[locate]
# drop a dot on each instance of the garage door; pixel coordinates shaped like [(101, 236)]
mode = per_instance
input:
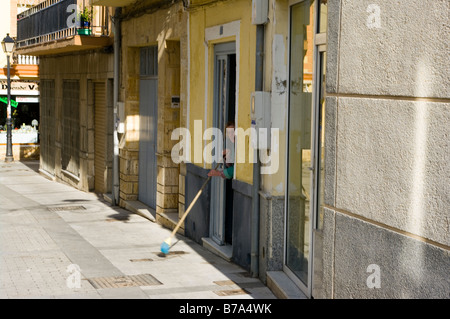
[(100, 152)]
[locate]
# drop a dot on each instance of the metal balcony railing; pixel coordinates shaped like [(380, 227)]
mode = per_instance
[(54, 20)]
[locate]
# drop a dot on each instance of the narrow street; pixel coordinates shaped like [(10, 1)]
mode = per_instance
[(58, 242)]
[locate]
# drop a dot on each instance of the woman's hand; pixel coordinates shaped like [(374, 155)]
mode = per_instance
[(214, 172)]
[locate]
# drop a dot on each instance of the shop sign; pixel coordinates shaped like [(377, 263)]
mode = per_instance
[(27, 99), (20, 86)]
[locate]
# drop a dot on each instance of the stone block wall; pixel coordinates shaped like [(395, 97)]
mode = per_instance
[(387, 150), (165, 28), (85, 67)]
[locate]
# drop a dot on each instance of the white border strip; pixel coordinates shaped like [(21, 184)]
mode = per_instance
[(216, 33)]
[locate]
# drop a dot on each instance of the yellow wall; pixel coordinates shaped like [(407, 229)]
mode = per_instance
[(275, 81), (86, 67), (200, 19), (159, 28), (165, 28)]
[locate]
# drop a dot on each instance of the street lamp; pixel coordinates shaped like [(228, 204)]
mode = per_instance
[(8, 47)]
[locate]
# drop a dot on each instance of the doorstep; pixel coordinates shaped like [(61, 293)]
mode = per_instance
[(168, 219), (282, 286), (224, 251), (108, 198), (140, 208)]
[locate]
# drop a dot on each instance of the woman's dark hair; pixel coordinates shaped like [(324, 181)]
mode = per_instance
[(230, 123)]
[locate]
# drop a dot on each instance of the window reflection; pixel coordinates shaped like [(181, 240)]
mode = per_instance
[(299, 173), (321, 155)]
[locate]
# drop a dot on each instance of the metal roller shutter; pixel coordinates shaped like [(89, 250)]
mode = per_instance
[(70, 151), (100, 144), (47, 126)]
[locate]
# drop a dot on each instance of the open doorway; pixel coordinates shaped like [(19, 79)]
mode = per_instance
[(221, 222)]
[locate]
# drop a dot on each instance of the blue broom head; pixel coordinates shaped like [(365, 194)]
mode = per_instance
[(165, 248)]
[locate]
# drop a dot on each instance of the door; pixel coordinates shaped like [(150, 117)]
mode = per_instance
[(148, 113), (223, 112), (305, 140)]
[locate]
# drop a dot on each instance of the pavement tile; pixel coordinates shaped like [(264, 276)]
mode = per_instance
[(45, 235)]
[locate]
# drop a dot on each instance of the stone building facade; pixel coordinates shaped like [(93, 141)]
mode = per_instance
[(358, 204)]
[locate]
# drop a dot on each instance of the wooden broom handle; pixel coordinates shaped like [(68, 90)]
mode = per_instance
[(191, 205)]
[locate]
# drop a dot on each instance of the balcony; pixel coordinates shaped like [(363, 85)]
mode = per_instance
[(22, 67), (52, 27), (25, 67), (25, 59)]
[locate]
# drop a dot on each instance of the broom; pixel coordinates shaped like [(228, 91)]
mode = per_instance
[(165, 246)]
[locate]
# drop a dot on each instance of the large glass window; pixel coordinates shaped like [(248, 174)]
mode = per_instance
[(299, 143), (306, 137), (322, 25), (321, 136)]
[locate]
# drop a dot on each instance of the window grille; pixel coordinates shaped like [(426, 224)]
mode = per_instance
[(149, 61)]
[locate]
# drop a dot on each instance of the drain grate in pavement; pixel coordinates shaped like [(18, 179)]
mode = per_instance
[(177, 252), (66, 208), (224, 282), (171, 253), (231, 292), (140, 260), (124, 281)]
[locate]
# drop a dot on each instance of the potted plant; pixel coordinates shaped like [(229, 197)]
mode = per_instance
[(85, 18)]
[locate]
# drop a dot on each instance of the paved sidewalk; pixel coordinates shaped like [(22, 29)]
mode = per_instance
[(58, 242)]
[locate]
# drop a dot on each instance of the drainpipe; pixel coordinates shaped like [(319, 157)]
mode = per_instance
[(117, 31), (254, 264)]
